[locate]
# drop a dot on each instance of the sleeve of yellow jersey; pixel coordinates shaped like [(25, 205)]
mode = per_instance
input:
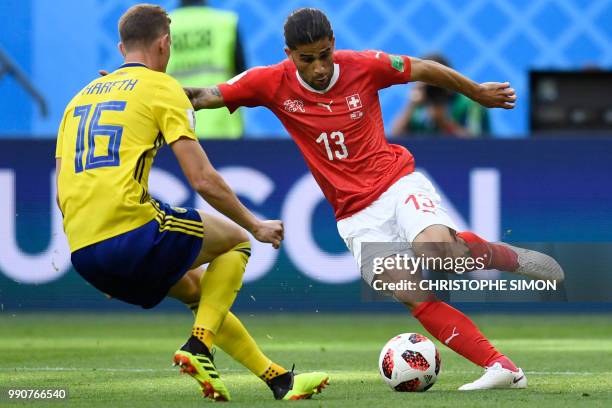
[(173, 111)]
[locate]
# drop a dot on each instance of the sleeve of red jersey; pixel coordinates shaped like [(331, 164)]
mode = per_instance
[(250, 88), (387, 69)]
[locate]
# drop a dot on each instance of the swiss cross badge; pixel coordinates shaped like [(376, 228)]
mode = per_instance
[(353, 102)]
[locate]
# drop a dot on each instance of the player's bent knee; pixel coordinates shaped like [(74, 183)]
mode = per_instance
[(221, 235), (436, 233), (435, 241), (234, 235), (240, 236)]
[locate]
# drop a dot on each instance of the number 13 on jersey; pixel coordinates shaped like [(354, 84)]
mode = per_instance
[(338, 149)]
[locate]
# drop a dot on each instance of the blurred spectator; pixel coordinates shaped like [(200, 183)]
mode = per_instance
[(206, 50), (436, 111)]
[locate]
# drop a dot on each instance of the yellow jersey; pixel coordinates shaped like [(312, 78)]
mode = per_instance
[(108, 138)]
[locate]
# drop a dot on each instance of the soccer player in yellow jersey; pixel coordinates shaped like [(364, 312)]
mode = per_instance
[(139, 250)]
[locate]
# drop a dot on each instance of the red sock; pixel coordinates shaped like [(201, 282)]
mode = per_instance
[(459, 333), (500, 257)]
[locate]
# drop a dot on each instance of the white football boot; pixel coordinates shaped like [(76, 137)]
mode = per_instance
[(536, 265), (497, 377)]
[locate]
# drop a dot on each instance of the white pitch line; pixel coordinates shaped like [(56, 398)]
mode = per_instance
[(153, 370), (128, 370)]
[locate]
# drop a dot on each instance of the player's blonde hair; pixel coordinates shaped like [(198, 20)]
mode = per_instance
[(142, 24)]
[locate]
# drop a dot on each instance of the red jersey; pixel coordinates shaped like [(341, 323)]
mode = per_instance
[(339, 130)]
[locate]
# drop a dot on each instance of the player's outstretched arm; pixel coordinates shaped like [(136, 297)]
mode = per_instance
[(201, 98), (210, 185), (205, 98), (488, 94)]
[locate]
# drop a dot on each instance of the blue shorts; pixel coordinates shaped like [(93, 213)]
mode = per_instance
[(140, 266)]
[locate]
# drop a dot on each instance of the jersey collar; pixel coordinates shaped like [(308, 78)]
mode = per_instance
[(132, 64), (332, 82)]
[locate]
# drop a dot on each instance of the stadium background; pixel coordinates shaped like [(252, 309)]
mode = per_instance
[(60, 44), (554, 192)]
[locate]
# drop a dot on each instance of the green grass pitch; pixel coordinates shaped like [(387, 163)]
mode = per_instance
[(123, 360)]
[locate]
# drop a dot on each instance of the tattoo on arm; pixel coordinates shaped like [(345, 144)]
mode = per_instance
[(212, 90), (207, 98)]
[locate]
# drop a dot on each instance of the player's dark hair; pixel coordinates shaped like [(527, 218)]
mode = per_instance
[(306, 26), (142, 24)]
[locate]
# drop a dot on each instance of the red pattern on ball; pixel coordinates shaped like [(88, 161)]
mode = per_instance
[(408, 386), (387, 364), (415, 360), (417, 338)]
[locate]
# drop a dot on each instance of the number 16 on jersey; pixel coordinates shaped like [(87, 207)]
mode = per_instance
[(338, 150), (96, 129)]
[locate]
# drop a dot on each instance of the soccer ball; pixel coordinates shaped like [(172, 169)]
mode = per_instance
[(409, 362)]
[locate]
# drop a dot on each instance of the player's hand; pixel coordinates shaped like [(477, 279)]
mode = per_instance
[(192, 95), (271, 231), (496, 95)]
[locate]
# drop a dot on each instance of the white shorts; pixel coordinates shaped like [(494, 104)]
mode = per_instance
[(401, 213)]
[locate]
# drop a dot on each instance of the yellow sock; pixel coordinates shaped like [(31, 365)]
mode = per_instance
[(219, 286), (234, 339), (205, 336), (273, 371)]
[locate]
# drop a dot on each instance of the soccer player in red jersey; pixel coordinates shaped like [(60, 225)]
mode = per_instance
[(328, 102)]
